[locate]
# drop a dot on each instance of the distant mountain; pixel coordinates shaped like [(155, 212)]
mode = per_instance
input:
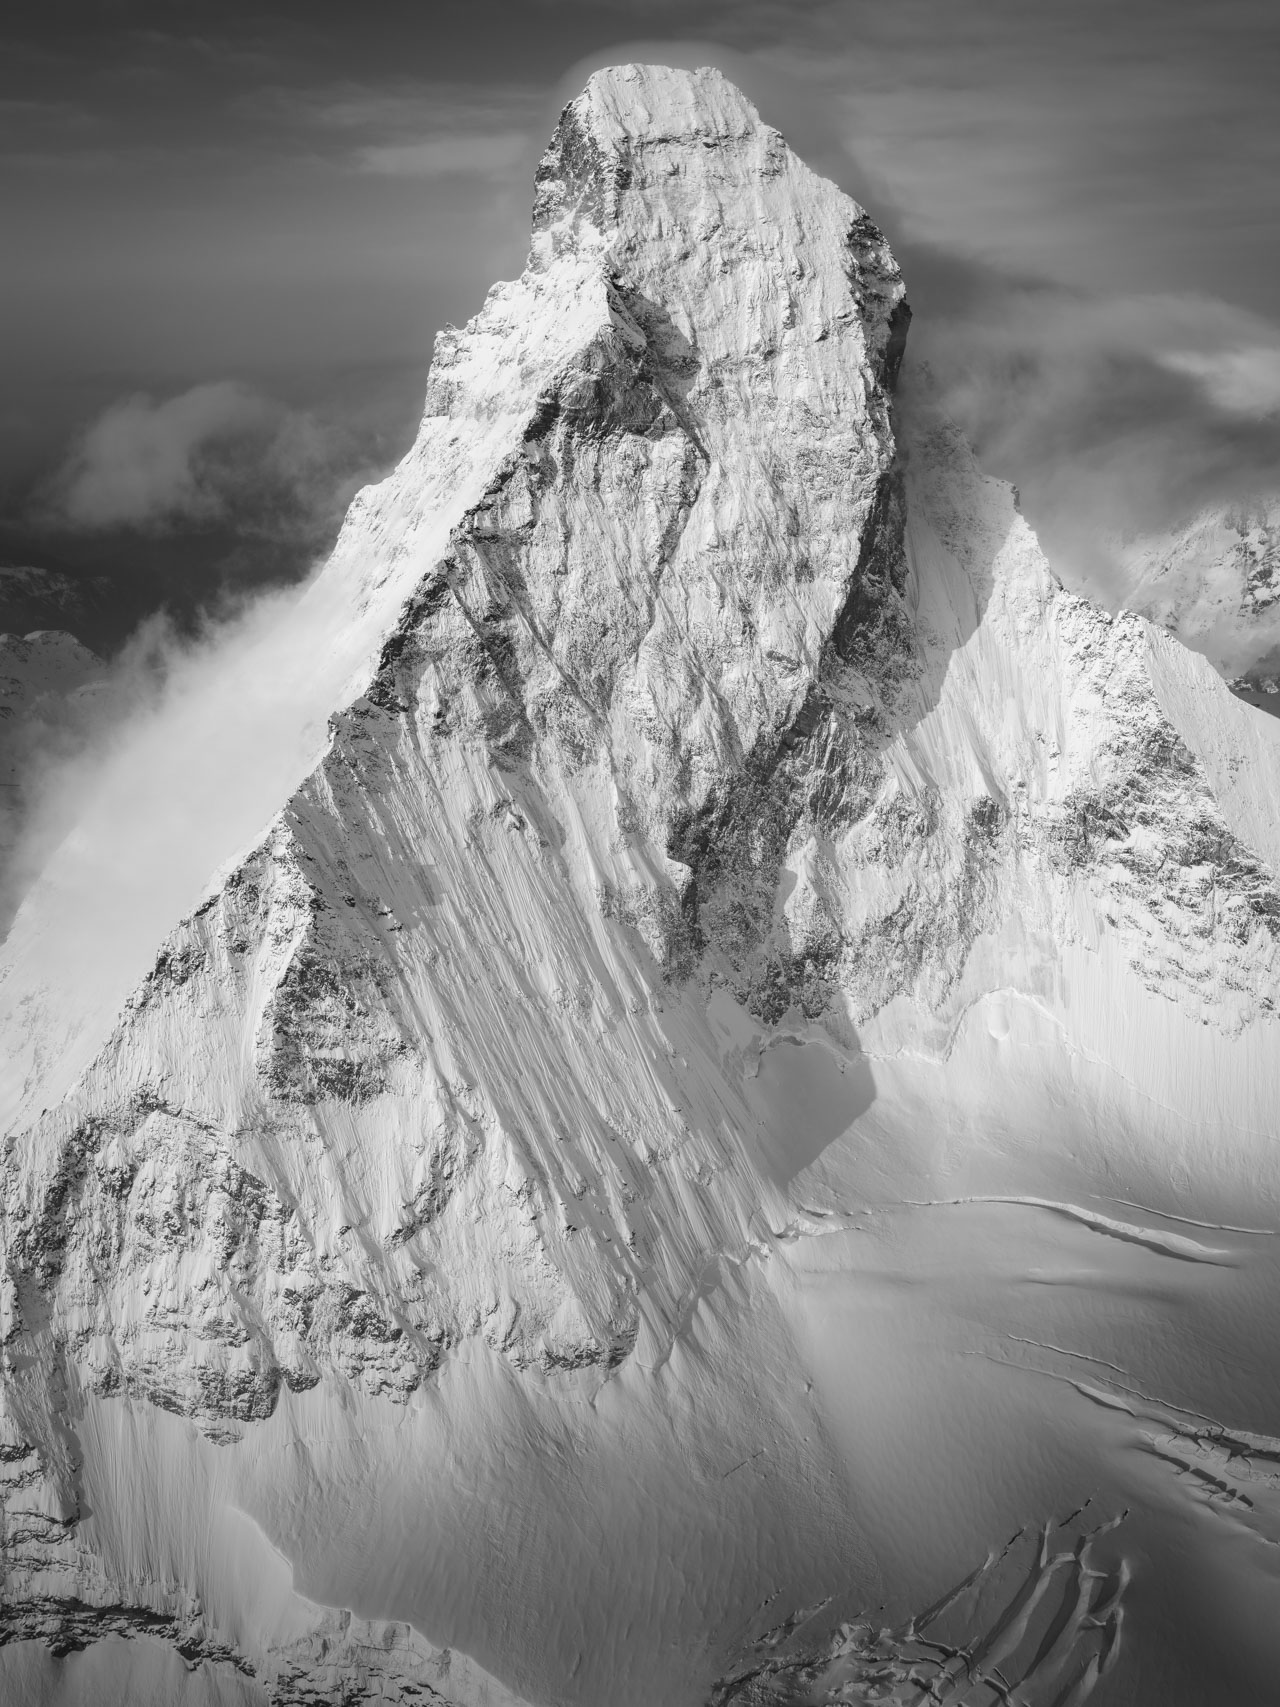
[(714, 1138), (50, 599), (39, 672), (1215, 583)]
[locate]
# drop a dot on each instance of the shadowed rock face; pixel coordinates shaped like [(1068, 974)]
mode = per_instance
[(662, 675)]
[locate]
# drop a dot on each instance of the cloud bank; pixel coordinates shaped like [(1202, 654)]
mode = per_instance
[(219, 453), (1116, 416), (143, 462)]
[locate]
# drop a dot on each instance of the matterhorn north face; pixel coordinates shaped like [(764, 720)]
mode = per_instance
[(708, 1133)]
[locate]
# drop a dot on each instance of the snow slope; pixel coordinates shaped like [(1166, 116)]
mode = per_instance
[(721, 950)]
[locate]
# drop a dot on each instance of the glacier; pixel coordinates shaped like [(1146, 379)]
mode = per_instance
[(662, 1088)]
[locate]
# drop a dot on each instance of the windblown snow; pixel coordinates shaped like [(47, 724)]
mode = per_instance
[(676, 1101)]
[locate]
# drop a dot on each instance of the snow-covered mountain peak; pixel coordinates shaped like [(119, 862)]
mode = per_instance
[(679, 818), (671, 179), (629, 120), (713, 332)]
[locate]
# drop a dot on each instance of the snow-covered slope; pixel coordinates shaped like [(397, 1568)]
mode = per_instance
[(724, 826)]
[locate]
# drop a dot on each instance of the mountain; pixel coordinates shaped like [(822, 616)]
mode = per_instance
[(38, 671), (1215, 583), (50, 599), (661, 1089)]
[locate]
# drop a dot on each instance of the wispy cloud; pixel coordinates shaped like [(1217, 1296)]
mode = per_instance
[(444, 156), (1084, 201), (22, 111), (145, 462), (401, 107), (408, 129), (215, 451), (1241, 381), (1116, 416)]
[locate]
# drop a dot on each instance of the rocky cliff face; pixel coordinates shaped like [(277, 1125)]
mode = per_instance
[(678, 698)]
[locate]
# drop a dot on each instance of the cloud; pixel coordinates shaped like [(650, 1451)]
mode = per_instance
[(1117, 416), (219, 451), (404, 108), (408, 129), (1101, 146), (441, 156), (143, 462), (201, 740), (1243, 381), (1081, 214)]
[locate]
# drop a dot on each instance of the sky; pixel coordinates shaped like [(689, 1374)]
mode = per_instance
[(232, 231)]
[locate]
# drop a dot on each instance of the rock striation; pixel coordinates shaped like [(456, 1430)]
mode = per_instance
[(672, 676)]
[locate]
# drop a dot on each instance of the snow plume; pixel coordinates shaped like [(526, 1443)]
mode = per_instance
[(201, 740), (218, 451)]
